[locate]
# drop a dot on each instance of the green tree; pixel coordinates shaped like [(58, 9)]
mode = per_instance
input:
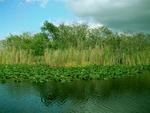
[(39, 44), (50, 30)]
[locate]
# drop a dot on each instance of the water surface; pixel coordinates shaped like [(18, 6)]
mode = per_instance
[(123, 95)]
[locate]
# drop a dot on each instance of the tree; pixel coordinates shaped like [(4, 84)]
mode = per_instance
[(22, 41), (39, 44), (50, 30)]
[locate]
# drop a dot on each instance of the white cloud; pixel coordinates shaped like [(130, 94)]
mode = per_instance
[(131, 15)]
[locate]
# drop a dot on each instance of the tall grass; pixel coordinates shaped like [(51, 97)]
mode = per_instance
[(74, 57), (15, 56), (97, 55)]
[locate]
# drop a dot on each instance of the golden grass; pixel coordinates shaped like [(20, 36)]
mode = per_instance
[(74, 57)]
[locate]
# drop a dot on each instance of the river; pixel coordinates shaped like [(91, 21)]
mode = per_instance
[(123, 95)]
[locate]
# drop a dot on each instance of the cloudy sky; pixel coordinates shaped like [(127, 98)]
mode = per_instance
[(27, 15)]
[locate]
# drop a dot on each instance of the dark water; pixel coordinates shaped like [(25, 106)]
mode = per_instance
[(124, 95)]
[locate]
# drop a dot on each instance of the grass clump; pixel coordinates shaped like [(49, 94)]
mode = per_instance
[(43, 73)]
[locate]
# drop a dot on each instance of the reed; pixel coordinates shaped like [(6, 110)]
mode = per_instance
[(15, 56), (74, 57)]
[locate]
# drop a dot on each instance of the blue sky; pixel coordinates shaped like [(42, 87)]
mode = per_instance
[(18, 16)]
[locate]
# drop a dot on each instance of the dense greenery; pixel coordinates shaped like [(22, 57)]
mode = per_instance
[(75, 45), (43, 73), (71, 52)]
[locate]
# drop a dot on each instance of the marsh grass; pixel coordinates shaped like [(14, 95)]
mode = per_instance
[(74, 57), (13, 56)]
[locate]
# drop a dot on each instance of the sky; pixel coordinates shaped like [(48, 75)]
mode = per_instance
[(124, 15), (17, 16)]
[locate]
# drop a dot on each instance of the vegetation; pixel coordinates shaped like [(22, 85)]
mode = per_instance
[(43, 73), (75, 45), (78, 52)]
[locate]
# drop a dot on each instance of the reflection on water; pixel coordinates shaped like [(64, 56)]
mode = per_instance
[(124, 95)]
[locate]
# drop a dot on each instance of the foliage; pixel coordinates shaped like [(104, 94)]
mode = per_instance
[(36, 43), (43, 73), (39, 44), (75, 44), (50, 30)]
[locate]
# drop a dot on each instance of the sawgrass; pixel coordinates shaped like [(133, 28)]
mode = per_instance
[(74, 57)]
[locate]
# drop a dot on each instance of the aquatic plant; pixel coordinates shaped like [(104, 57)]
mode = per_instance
[(43, 73)]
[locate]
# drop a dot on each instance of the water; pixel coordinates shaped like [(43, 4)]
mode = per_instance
[(124, 95)]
